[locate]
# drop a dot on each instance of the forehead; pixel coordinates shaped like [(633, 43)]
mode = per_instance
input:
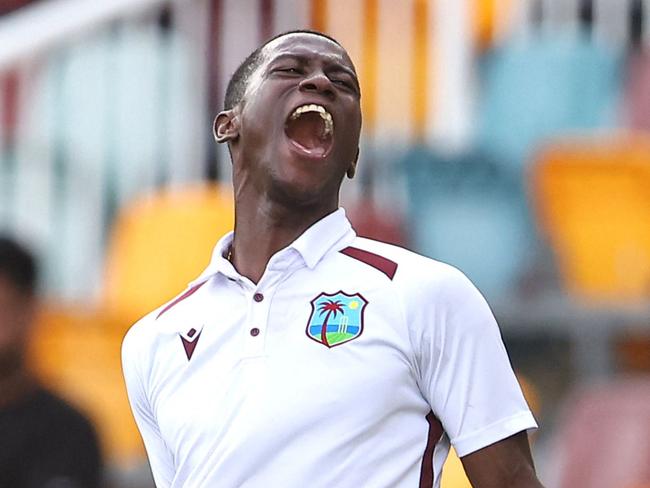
[(307, 45)]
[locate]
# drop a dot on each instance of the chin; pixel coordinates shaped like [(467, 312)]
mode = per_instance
[(297, 194)]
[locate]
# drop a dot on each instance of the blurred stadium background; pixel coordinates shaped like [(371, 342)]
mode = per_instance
[(507, 137)]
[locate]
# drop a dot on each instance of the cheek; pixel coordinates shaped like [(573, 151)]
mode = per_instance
[(259, 128), (349, 146), (352, 131)]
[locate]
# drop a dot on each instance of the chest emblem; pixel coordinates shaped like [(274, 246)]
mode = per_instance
[(190, 339), (336, 318)]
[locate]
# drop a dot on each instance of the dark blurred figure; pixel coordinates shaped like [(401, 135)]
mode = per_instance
[(44, 442)]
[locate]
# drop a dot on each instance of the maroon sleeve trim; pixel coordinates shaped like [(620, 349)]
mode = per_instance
[(378, 262), (182, 297), (426, 469)]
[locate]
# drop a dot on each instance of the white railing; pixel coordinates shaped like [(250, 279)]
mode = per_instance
[(106, 105), (45, 26)]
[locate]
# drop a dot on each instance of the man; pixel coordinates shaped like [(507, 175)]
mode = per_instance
[(304, 355), (45, 443)]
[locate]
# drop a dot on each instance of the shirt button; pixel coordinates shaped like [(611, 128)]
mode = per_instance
[(255, 331), (258, 297)]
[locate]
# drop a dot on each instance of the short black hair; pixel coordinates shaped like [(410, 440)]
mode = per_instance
[(239, 80), (18, 265)]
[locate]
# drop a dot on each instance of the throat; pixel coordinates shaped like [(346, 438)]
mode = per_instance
[(263, 230)]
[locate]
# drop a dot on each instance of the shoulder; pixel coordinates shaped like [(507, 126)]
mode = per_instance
[(142, 337), (433, 295), (412, 273)]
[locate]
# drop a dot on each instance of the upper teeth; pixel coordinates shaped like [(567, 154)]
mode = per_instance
[(325, 115)]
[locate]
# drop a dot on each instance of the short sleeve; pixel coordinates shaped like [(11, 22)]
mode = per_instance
[(465, 372), (160, 458)]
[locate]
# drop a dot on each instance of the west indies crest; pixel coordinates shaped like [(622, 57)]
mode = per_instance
[(336, 318)]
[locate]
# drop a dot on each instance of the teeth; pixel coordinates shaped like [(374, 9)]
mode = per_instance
[(325, 115)]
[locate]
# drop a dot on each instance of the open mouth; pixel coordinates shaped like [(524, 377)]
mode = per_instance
[(311, 128)]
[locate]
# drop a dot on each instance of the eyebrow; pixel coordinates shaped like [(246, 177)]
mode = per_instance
[(302, 59)]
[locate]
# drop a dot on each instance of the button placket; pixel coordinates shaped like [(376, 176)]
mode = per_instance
[(257, 320), (255, 329)]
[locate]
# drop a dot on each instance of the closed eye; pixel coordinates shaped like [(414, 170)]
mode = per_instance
[(347, 84), (290, 70)]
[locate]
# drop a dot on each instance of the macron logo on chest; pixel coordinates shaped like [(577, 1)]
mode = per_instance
[(190, 338)]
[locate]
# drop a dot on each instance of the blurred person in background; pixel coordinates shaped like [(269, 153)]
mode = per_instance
[(44, 442), (304, 355)]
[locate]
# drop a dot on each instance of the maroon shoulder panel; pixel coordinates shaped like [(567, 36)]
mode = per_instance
[(182, 297), (378, 262), (435, 433)]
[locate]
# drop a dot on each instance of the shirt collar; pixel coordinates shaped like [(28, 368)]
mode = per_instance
[(333, 230)]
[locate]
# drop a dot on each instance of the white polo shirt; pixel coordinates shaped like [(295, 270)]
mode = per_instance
[(352, 363)]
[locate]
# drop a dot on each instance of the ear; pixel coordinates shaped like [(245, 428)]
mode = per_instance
[(352, 169), (226, 126)]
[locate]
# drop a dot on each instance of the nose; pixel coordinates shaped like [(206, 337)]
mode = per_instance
[(317, 81)]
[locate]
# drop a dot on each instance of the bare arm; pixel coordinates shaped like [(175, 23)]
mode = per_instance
[(504, 464)]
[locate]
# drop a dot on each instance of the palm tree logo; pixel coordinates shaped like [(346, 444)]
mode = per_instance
[(336, 318), (328, 308)]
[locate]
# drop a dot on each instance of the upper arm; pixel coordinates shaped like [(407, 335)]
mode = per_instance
[(504, 464), (465, 372), (160, 457)]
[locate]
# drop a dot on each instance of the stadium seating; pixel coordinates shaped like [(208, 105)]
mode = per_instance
[(77, 353), (636, 106), (603, 439), (468, 211), (491, 20), (592, 197), (543, 86), (159, 243)]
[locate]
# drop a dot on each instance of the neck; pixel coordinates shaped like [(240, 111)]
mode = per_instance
[(264, 228)]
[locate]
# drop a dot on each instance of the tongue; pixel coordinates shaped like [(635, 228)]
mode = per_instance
[(307, 131)]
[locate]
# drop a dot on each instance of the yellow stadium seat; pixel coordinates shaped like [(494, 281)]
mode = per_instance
[(76, 353), (453, 473), (593, 201), (159, 243)]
